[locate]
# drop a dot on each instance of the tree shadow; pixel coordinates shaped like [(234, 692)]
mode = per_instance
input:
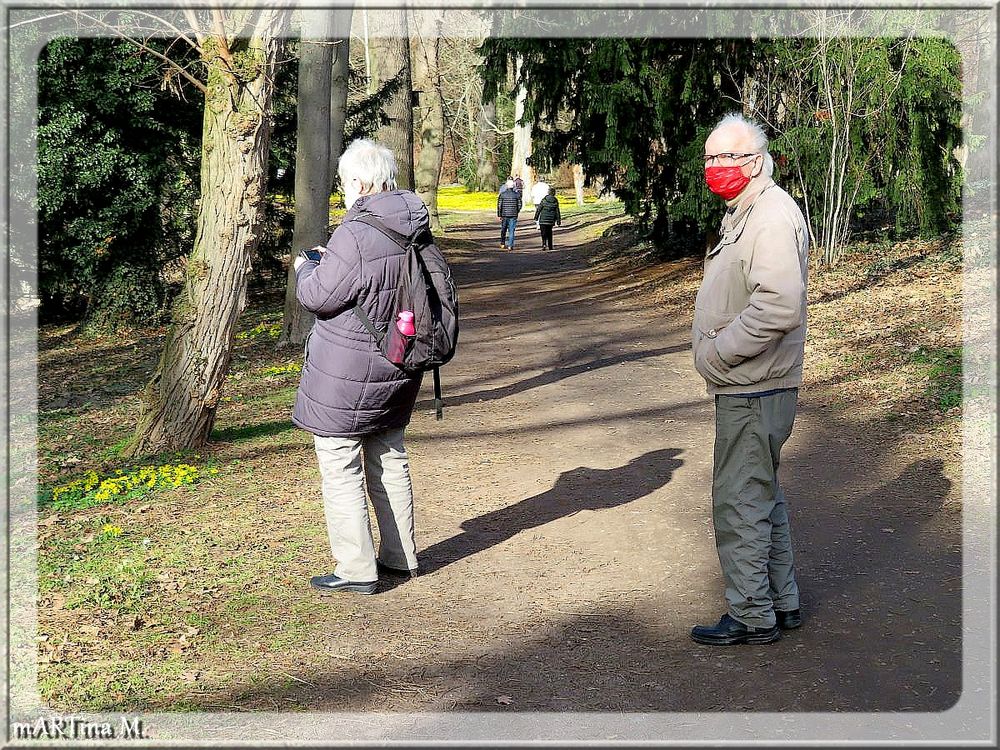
[(552, 376), (877, 547), (573, 224), (240, 433), (49, 341), (579, 489), (875, 275)]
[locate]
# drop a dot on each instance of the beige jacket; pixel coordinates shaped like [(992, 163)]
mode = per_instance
[(749, 327)]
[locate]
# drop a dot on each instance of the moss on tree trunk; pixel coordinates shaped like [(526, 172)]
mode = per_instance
[(179, 403)]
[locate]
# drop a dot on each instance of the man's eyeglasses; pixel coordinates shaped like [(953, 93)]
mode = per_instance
[(724, 157)]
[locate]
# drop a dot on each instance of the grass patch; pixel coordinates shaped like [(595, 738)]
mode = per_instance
[(119, 585), (104, 569), (115, 686), (283, 397), (943, 369), (114, 451)]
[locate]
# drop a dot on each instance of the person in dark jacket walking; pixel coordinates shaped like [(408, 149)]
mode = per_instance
[(546, 216), (508, 207), (351, 398)]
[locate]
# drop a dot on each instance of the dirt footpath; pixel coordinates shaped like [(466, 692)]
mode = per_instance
[(564, 532)]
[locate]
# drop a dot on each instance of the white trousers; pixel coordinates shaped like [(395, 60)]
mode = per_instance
[(347, 466)]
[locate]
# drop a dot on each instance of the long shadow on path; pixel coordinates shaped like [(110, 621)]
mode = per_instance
[(554, 375), (579, 489)]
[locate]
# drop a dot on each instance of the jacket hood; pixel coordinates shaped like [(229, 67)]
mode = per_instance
[(399, 210)]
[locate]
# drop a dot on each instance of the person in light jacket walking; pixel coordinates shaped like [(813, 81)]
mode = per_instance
[(351, 398), (546, 216), (748, 340), (508, 207)]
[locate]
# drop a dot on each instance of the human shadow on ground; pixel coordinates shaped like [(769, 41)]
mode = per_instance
[(622, 657), (554, 375), (579, 489)]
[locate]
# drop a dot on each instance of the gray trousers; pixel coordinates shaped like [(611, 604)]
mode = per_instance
[(748, 506), (349, 465)]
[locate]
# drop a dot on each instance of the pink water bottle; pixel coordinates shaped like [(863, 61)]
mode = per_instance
[(399, 339), (405, 323)]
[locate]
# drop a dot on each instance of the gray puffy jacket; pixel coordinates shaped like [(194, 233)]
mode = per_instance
[(348, 389)]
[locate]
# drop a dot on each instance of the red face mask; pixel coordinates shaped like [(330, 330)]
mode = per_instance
[(726, 182)]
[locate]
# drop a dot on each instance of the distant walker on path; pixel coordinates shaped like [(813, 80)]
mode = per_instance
[(546, 216), (748, 340), (508, 207)]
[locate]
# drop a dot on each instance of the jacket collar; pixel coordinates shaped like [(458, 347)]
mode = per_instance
[(738, 210)]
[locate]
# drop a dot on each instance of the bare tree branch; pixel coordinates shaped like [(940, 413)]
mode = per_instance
[(190, 78), (39, 19)]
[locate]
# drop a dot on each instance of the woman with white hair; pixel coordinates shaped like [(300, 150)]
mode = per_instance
[(352, 399)]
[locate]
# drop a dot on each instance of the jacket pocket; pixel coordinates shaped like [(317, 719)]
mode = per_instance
[(707, 325)]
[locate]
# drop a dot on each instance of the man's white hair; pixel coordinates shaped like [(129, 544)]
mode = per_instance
[(758, 138), (370, 162)]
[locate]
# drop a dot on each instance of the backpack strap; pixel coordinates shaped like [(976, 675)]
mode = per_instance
[(367, 323), (438, 403), (401, 240)]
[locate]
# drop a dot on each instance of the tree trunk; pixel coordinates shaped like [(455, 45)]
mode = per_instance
[(427, 80), (486, 145), (339, 87), (391, 52), (312, 160), (179, 403), (522, 143), (578, 180)]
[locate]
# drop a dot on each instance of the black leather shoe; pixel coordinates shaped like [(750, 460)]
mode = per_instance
[(400, 572), (333, 583), (788, 620), (730, 632)]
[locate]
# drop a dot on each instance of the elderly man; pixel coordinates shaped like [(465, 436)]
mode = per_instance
[(748, 340), (351, 398), (508, 207)]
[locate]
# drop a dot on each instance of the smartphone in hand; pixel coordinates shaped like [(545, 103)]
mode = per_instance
[(313, 255)]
